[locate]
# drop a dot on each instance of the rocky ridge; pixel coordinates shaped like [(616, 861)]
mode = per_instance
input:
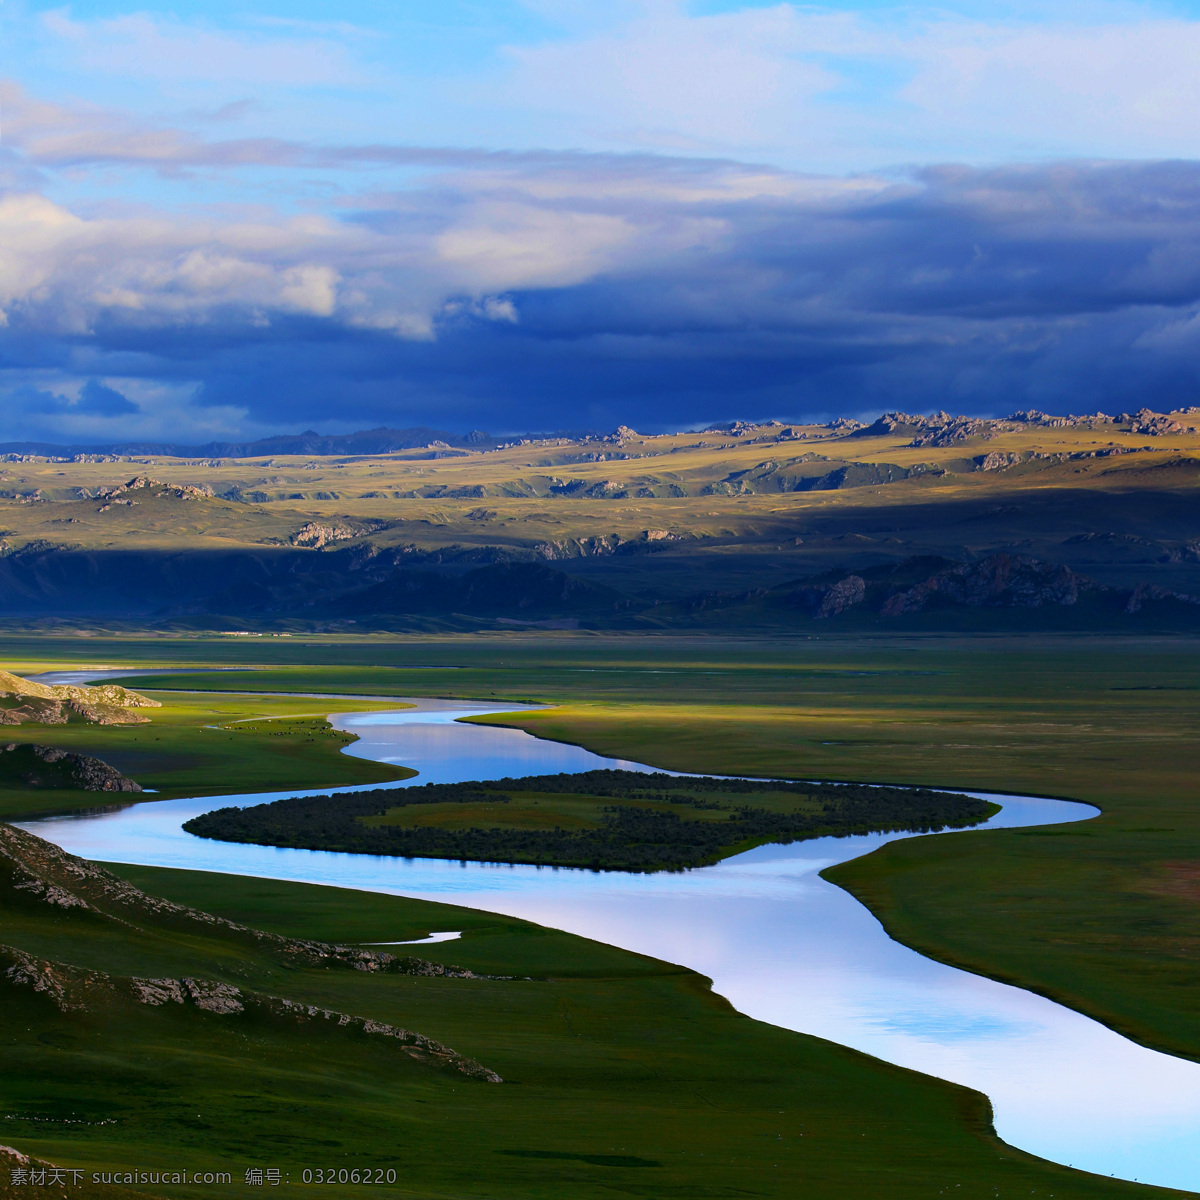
[(72, 770), (46, 704), (941, 429), (999, 580), (79, 989), (34, 870), (53, 876), (143, 483)]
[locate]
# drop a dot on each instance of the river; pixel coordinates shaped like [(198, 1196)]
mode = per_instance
[(778, 941)]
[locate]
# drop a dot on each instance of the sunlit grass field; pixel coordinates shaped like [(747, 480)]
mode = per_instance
[(204, 745)]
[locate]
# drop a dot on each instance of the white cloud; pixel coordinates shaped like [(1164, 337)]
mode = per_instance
[(64, 273), (142, 45), (670, 81), (821, 88), (1120, 89)]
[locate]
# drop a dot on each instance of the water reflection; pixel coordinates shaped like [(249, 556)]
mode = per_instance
[(778, 941)]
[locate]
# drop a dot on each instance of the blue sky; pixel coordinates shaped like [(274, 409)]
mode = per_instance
[(221, 219)]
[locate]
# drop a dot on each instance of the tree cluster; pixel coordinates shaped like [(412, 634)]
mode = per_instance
[(630, 837)]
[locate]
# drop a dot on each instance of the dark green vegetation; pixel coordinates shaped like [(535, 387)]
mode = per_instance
[(911, 523), (605, 820), (623, 1076)]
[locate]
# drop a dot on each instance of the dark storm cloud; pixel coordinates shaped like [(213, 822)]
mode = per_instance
[(95, 399), (572, 292)]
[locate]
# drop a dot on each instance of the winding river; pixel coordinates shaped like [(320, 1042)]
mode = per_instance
[(778, 941)]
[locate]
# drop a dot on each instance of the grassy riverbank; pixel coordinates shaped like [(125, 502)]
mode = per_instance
[(624, 1076), (204, 745)]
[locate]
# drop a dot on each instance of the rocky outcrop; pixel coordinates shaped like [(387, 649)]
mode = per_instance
[(844, 594), (49, 874), (151, 487), (611, 543), (604, 489), (77, 989), (823, 600), (49, 766), (1152, 424), (415, 1045), (316, 535), (68, 988), (941, 429), (34, 712), (45, 704), (37, 870), (998, 581), (622, 433), (1144, 593), (203, 993), (812, 473), (997, 461)]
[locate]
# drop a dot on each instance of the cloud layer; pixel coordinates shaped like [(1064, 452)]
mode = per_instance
[(582, 215), (583, 290)]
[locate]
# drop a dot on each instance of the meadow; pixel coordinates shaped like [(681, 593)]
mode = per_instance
[(202, 745)]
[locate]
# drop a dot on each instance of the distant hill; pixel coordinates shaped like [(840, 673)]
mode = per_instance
[(924, 522), (366, 441)]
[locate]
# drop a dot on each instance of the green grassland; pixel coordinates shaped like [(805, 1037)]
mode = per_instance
[(623, 1076)]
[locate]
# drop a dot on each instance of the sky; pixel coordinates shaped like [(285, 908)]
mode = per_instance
[(232, 220)]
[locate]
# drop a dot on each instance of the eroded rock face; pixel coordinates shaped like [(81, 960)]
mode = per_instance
[(65, 986), (943, 429), (34, 712), (843, 595), (997, 461), (49, 766), (180, 491), (203, 993), (316, 535), (1000, 580), (45, 704), (1152, 424), (1145, 592)]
